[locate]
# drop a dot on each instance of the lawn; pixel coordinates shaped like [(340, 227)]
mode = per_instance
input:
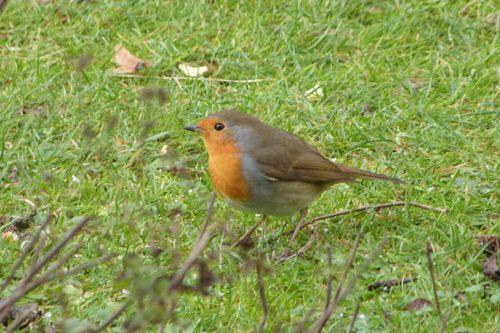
[(409, 89)]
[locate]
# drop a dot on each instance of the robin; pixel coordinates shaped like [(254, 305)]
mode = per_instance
[(256, 167)]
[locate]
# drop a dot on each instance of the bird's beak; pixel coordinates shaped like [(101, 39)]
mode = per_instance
[(192, 128)]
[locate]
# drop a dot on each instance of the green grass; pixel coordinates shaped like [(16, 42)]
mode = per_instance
[(84, 153)]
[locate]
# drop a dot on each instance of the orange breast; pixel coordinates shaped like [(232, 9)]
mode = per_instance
[(225, 169)]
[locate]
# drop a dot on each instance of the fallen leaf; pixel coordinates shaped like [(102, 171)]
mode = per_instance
[(367, 110), (386, 285), (314, 93), (193, 71), (491, 244), (10, 236), (490, 268), (128, 62), (417, 304), (461, 296), (415, 85)]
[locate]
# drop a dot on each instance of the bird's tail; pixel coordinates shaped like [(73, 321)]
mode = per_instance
[(358, 173)]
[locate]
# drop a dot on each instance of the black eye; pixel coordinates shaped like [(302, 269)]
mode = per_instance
[(219, 126)]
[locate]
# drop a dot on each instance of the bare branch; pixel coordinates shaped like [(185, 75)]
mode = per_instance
[(112, 318), (199, 246), (367, 208), (344, 291), (354, 318), (262, 295), (55, 249), (187, 78), (24, 253), (442, 317), (330, 278)]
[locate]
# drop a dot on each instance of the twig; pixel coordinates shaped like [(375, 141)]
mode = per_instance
[(26, 285), (330, 278), (303, 249), (2, 4), (344, 291), (442, 317), (187, 78), (354, 318), (262, 295), (112, 318), (208, 215), (56, 249), (24, 253), (249, 232), (366, 208), (199, 246)]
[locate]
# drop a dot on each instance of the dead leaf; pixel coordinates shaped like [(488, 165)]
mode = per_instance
[(415, 85), (417, 304), (386, 285), (461, 296), (314, 93), (490, 243), (367, 110), (490, 268), (128, 62), (193, 71)]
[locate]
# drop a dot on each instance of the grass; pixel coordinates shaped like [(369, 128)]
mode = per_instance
[(428, 71)]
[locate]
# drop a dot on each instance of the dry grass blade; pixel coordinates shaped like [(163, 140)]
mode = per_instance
[(181, 78), (442, 317)]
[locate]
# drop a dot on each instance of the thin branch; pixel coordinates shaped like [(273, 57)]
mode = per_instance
[(112, 318), (208, 215), (330, 278), (354, 318), (442, 317), (26, 285), (2, 5), (344, 291), (262, 295), (24, 253), (367, 208), (199, 246), (56, 249), (49, 276), (249, 232), (187, 78)]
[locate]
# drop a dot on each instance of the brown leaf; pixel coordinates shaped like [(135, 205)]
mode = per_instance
[(490, 243), (128, 62), (386, 285), (415, 85), (417, 304), (367, 110), (490, 268)]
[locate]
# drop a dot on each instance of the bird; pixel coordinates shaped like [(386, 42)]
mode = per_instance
[(256, 167)]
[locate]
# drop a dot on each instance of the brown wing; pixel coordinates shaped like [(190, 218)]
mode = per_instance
[(287, 157)]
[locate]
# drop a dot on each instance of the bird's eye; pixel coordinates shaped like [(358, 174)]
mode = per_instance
[(219, 126)]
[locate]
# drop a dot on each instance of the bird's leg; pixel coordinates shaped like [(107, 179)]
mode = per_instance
[(302, 218), (249, 232)]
